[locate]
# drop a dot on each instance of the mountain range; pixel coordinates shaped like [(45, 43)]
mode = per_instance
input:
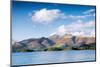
[(54, 43)]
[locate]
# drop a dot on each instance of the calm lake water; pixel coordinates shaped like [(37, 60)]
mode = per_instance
[(52, 57)]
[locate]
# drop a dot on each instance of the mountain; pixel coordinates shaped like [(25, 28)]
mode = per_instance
[(85, 40), (32, 44), (54, 42), (69, 39)]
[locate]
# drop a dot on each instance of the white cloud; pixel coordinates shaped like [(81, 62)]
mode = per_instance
[(61, 30), (77, 28), (86, 14), (80, 16), (89, 11), (85, 32), (81, 28), (78, 33), (46, 16)]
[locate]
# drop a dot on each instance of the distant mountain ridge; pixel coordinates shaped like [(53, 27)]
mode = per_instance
[(55, 41)]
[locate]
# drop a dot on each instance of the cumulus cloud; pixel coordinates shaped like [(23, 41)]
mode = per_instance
[(61, 30), (77, 28), (80, 25), (46, 16), (85, 32)]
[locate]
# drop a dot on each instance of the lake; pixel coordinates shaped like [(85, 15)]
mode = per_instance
[(24, 58)]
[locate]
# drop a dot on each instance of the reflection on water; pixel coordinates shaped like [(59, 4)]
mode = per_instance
[(52, 57)]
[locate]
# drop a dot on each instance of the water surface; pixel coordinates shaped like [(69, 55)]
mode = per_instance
[(52, 57)]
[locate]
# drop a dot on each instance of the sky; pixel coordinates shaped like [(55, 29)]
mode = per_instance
[(35, 20)]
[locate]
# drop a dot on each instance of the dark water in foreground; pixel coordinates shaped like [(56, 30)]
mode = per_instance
[(52, 57)]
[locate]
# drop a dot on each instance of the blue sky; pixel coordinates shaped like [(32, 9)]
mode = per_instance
[(34, 20)]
